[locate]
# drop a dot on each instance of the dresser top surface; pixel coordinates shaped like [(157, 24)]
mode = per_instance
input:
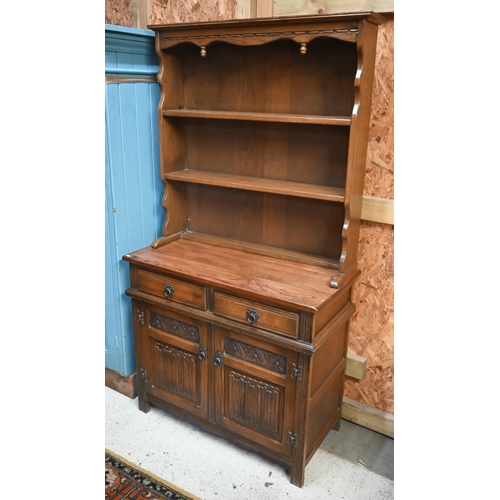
[(285, 282)]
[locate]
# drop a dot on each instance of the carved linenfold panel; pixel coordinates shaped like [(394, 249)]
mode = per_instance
[(175, 327), (253, 403), (267, 359), (175, 371)]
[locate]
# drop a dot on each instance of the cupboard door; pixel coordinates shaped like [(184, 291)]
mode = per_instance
[(174, 351), (254, 391)]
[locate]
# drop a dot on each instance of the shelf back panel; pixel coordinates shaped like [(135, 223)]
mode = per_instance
[(271, 78), (316, 154), (311, 227)]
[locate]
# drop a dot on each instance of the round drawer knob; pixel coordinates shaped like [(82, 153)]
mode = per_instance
[(252, 316), (202, 355), (218, 358), (168, 291)]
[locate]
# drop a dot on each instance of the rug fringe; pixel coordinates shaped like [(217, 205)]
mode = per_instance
[(152, 476)]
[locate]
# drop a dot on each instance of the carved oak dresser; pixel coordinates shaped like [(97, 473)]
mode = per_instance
[(241, 308)]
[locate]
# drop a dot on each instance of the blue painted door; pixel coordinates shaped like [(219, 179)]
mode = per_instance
[(134, 215)]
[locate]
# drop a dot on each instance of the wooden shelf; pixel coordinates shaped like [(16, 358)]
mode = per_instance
[(287, 188), (257, 249), (259, 117)]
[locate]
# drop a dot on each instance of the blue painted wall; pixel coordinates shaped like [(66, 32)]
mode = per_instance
[(134, 215)]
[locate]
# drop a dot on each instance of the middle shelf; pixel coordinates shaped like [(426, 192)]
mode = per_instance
[(262, 117), (263, 185)]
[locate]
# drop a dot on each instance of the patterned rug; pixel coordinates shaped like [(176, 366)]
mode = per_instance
[(125, 480)]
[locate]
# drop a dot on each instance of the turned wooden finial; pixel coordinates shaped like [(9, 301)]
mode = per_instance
[(303, 48), (203, 51)]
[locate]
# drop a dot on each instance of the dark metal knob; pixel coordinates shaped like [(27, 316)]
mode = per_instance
[(168, 291), (218, 359), (252, 316), (203, 353)]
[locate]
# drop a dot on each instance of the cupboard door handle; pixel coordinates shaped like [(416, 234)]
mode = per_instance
[(203, 353), (168, 291), (218, 359), (252, 316)]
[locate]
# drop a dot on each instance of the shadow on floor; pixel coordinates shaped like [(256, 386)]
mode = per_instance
[(360, 445)]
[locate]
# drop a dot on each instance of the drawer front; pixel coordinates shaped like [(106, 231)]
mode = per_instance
[(172, 289), (256, 314)]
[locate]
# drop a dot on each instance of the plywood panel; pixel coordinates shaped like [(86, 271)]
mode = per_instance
[(379, 176), (118, 12), (372, 326), (187, 11)]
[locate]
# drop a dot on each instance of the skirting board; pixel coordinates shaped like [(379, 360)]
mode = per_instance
[(368, 416), (124, 385)]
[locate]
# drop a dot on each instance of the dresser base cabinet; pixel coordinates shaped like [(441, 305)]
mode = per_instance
[(241, 307), (265, 373)]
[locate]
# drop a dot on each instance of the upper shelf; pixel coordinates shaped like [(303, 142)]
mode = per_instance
[(260, 117), (287, 188)]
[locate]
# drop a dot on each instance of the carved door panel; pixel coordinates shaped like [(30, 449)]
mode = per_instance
[(174, 349), (254, 391)]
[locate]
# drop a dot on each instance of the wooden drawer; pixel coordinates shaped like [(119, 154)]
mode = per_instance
[(256, 314), (172, 289)]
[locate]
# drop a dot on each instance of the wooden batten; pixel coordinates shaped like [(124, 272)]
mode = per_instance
[(368, 416), (305, 7), (377, 210), (355, 366), (268, 8), (126, 79)]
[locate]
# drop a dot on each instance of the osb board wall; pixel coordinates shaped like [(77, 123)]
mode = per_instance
[(379, 176), (118, 12), (187, 11), (372, 326)]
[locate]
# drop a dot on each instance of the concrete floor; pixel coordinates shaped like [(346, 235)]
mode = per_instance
[(352, 464)]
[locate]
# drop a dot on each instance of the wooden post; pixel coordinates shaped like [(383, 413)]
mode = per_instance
[(264, 8), (246, 9), (141, 13)]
